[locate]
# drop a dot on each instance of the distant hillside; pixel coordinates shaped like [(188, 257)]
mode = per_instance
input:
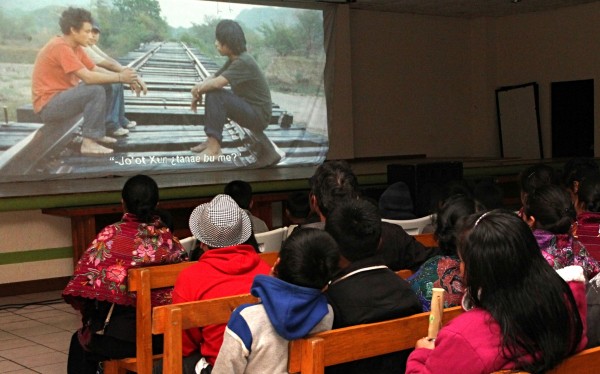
[(254, 18), (11, 5)]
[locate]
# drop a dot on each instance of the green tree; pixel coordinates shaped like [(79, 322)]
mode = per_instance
[(310, 29), (279, 36)]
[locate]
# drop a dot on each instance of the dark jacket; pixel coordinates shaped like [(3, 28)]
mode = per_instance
[(364, 292), (397, 250)]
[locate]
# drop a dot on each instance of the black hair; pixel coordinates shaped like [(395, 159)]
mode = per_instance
[(73, 18), (297, 204), (506, 274), (552, 208), (308, 258), (140, 195), (230, 33), (333, 182), (534, 177), (356, 226), (489, 193), (588, 194), (240, 191), (454, 208), (578, 169)]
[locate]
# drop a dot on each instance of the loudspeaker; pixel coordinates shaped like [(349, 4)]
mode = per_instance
[(425, 181)]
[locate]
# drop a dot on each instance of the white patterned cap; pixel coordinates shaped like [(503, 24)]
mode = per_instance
[(220, 223)]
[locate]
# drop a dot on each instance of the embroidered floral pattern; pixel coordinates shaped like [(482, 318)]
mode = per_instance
[(102, 271), (564, 250)]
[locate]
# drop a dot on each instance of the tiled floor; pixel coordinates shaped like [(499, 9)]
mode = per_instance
[(35, 338)]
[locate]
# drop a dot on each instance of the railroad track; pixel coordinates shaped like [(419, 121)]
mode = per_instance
[(166, 130)]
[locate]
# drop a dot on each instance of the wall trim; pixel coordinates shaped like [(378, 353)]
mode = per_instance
[(9, 258)]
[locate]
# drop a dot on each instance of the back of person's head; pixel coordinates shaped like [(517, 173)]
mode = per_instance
[(453, 209), (241, 192), (396, 203), (506, 274), (230, 33), (308, 258), (588, 194), (140, 197), (297, 206), (489, 193), (220, 223), (577, 169), (333, 182), (534, 177), (73, 18), (356, 226), (552, 208), (438, 193)]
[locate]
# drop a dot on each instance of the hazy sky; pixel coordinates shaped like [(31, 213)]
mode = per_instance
[(185, 12)]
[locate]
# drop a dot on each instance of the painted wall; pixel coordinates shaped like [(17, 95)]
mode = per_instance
[(34, 246)]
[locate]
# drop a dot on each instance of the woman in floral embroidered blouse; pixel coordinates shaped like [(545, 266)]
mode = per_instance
[(444, 271), (99, 284), (550, 213)]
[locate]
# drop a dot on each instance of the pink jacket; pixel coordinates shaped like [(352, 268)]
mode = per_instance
[(470, 343)]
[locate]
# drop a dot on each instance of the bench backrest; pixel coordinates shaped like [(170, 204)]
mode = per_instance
[(171, 320), (312, 354), (142, 281), (584, 362), (428, 240)]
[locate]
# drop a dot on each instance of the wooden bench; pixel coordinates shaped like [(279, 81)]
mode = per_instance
[(428, 240), (584, 362), (312, 354), (142, 281), (171, 320)]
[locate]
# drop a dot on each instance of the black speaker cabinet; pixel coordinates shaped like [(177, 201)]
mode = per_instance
[(425, 181)]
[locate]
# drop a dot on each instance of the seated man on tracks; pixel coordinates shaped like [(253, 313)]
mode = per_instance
[(66, 82), (250, 102), (116, 122)]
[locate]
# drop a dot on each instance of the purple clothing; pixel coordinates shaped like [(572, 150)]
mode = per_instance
[(564, 250), (470, 343), (587, 231)]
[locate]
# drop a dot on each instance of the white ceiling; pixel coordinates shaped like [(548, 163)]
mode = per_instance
[(461, 8)]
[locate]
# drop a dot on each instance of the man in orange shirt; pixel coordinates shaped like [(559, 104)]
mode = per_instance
[(66, 82)]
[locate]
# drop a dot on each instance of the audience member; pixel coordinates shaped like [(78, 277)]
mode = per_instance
[(489, 193), (520, 313), (587, 230), (292, 306), (98, 288), (396, 203), (241, 192), (444, 271), (534, 177), (227, 267), (575, 171), (66, 83), (297, 209), (334, 182), (550, 214), (116, 122), (365, 290)]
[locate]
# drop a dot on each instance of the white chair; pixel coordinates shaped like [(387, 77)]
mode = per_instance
[(188, 244), (271, 241), (412, 226)]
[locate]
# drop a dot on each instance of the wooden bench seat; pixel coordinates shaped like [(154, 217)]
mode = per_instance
[(312, 354), (142, 281), (171, 320)]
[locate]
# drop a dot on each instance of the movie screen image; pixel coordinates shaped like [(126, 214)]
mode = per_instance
[(158, 86)]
